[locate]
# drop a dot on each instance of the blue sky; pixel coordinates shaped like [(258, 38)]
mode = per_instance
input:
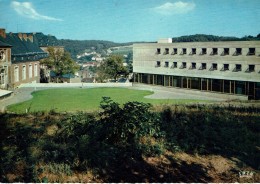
[(131, 20)]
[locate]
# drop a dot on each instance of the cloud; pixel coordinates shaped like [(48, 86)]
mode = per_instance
[(174, 8), (26, 9)]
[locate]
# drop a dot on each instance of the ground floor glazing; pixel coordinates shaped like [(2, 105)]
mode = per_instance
[(250, 89)]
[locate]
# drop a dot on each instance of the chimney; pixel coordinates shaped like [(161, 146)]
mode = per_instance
[(2, 33), (20, 35), (30, 37), (25, 36)]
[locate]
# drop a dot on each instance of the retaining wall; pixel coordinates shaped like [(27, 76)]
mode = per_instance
[(69, 85)]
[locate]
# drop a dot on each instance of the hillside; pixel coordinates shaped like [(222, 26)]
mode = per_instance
[(212, 38), (76, 47)]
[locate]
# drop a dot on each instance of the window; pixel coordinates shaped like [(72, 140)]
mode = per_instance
[(174, 65), (193, 51), (35, 70), (193, 66), (251, 68), (225, 52), (214, 51), (225, 67), (184, 51), (214, 66), (175, 51), (158, 64), (30, 71), (24, 73), (237, 68), (251, 51), (16, 74), (2, 76), (2, 55), (203, 51), (203, 66), (238, 52), (166, 65), (158, 51), (166, 51), (183, 65)]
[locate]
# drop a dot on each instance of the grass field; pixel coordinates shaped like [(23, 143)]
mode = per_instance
[(84, 99)]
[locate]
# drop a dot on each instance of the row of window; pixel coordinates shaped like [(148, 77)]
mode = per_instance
[(203, 66), (16, 72), (204, 51), (28, 58)]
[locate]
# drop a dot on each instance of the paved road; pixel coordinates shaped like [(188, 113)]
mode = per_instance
[(20, 95), (174, 93)]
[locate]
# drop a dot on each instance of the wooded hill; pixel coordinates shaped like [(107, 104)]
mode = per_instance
[(76, 47), (212, 38)]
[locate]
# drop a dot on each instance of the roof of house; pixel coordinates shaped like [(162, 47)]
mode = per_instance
[(67, 76), (45, 40), (26, 46), (2, 44), (21, 46)]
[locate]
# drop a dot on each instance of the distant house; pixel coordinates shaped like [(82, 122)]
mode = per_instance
[(66, 78)]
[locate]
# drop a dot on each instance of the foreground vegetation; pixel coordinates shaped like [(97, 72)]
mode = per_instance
[(132, 142), (77, 99)]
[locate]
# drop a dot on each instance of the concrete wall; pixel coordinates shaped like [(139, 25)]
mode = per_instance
[(69, 85), (145, 58)]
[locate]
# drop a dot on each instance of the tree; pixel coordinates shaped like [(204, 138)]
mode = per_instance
[(59, 62), (112, 67)]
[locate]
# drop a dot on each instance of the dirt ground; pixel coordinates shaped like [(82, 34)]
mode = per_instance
[(170, 167)]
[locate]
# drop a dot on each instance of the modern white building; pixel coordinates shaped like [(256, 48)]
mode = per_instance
[(231, 67)]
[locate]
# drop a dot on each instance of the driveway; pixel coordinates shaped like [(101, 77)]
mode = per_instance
[(19, 95)]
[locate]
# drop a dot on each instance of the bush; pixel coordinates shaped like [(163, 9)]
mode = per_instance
[(127, 124)]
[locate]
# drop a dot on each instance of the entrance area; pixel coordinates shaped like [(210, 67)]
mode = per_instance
[(250, 89)]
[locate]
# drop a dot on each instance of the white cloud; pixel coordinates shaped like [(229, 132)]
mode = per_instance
[(174, 8), (26, 9)]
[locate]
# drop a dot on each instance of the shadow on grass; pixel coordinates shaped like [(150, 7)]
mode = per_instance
[(138, 170)]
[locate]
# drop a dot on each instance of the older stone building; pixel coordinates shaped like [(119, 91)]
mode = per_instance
[(5, 64), (231, 67), (20, 55)]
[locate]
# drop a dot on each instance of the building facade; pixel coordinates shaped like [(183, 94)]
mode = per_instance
[(231, 67), (20, 56), (5, 64)]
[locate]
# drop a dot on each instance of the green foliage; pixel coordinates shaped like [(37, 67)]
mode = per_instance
[(213, 129), (126, 125), (49, 142), (59, 62), (76, 47), (111, 68), (211, 38)]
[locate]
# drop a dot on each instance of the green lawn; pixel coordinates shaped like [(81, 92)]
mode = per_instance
[(76, 99)]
